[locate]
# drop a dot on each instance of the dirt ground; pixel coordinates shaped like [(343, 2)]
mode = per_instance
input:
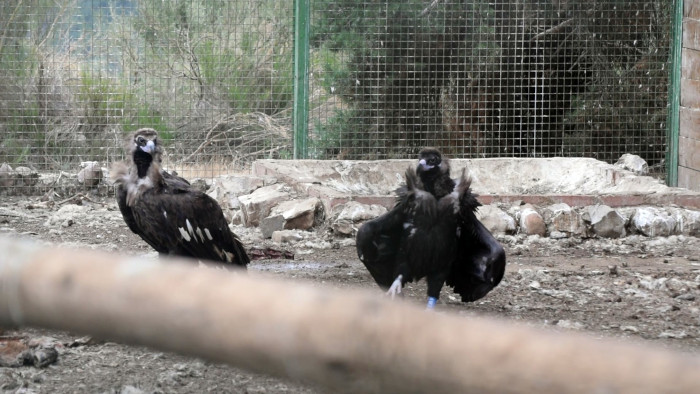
[(636, 288)]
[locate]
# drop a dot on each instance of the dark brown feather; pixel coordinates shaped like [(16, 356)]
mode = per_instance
[(433, 232), (167, 213)]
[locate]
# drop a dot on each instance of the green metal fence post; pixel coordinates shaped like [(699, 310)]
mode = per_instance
[(674, 95), (300, 115)]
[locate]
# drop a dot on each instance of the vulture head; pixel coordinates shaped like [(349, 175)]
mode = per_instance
[(145, 142), (431, 164), (430, 160), (144, 172), (145, 150), (434, 172)]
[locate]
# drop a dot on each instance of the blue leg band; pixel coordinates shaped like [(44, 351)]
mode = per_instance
[(431, 302)]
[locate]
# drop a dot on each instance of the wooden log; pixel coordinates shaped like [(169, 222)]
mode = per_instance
[(345, 341)]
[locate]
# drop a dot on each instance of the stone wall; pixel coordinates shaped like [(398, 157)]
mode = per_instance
[(275, 206)]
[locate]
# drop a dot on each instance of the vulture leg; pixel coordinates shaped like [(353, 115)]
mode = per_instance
[(395, 287), (435, 283)]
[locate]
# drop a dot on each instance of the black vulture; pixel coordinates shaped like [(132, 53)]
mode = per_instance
[(166, 212), (433, 232)]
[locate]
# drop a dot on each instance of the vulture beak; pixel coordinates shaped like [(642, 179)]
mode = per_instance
[(149, 148), (424, 164)]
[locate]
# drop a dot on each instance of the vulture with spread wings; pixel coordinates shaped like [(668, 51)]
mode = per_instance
[(166, 212), (432, 232)]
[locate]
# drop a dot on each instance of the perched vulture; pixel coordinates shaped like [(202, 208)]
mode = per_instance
[(432, 232), (166, 212)]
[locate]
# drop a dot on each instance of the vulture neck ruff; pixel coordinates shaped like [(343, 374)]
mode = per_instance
[(144, 175), (142, 161)]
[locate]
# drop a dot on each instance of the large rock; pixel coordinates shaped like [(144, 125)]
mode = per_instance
[(65, 183), (495, 220), (236, 217), (350, 216), (25, 176), (258, 204), (91, 174), (605, 221), (7, 175), (652, 222), (226, 190), (633, 163), (66, 216), (271, 224), (531, 222), (561, 218), (201, 184), (286, 236), (300, 214), (687, 221)]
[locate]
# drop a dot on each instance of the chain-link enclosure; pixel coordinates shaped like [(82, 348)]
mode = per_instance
[(517, 78), (213, 77)]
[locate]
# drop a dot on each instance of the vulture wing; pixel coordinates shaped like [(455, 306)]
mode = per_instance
[(125, 210), (414, 239), (133, 224), (480, 260), (378, 242), (187, 222), (173, 183), (175, 180)]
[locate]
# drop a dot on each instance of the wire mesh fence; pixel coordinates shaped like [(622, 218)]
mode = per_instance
[(214, 78), (516, 78)]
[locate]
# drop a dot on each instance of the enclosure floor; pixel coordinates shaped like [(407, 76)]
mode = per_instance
[(555, 284)]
